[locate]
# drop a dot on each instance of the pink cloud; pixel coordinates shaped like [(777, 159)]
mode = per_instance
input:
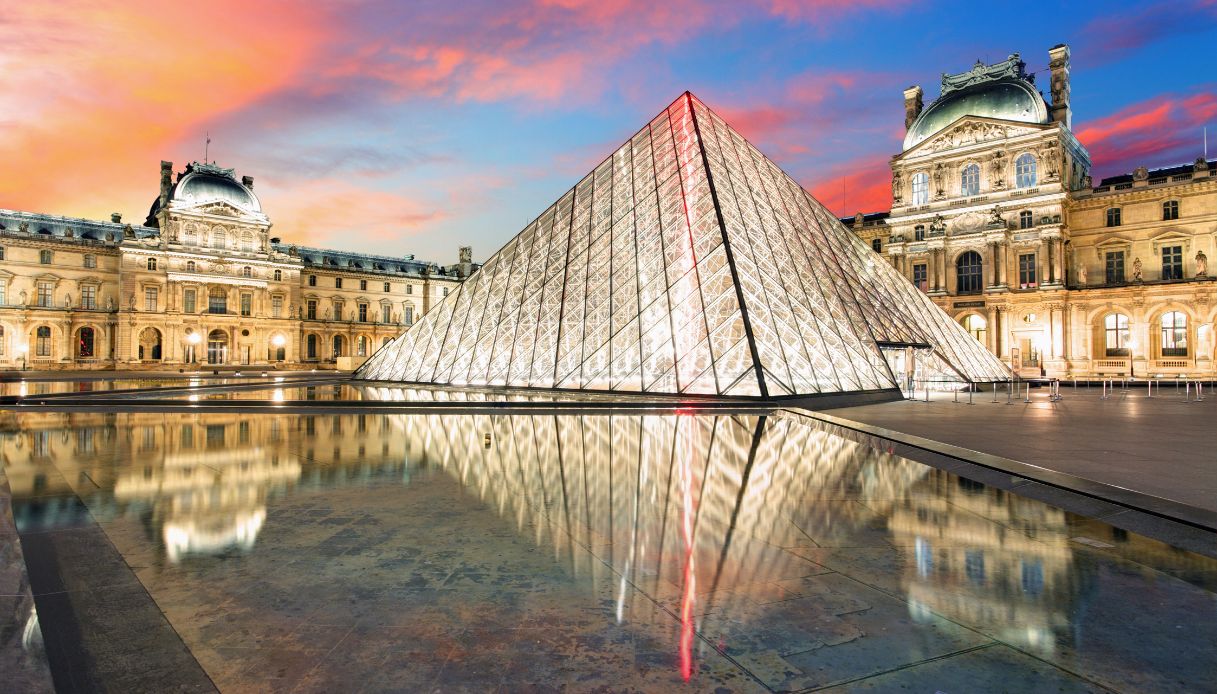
[(858, 185), (1160, 131)]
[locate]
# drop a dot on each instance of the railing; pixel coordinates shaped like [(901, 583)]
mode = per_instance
[(1121, 364), (1171, 363)]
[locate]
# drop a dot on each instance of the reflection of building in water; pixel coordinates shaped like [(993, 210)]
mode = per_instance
[(984, 556), (202, 482)]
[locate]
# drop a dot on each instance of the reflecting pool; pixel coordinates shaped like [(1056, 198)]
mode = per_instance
[(650, 552)]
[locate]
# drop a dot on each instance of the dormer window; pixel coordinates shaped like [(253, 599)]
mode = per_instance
[(969, 180), (1024, 171)]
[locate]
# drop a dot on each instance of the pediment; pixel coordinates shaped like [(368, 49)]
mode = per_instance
[(971, 130), (214, 208)]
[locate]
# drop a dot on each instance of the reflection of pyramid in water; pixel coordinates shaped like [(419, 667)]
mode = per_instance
[(686, 262)]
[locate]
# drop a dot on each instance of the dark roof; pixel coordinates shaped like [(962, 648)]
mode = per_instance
[(1156, 173), (362, 262), (57, 227), (867, 218)]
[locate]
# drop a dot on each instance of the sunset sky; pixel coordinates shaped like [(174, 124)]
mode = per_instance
[(413, 127)]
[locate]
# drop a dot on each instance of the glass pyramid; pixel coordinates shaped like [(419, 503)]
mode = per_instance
[(686, 263)]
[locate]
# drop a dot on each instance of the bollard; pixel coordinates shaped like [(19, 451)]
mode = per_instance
[(994, 391), (1027, 397), (1010, 393), (970, 389), (956, 391), (1149, 388)]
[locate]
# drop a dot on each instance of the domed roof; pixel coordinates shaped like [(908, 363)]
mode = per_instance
[(204, 182), (1001, 91)]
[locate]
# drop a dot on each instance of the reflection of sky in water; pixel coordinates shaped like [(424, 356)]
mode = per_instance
[(709, 513)]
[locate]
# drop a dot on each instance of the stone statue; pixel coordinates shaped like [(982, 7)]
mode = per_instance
[(67, 300), (109, 303), (1087, 181), (1136, 270), (995, 218), (938, 224), (24, 227), (897, 185), (1140, 174), (939, 173), (1202, 264), (21, 298), (131, 302), (1200, 164), (1082, 275)]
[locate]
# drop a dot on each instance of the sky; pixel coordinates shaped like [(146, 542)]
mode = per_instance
[(414, 127)]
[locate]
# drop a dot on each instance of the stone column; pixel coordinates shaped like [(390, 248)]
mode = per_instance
[(992, 330), (1058, 260), (1056, 316), (995, 270)]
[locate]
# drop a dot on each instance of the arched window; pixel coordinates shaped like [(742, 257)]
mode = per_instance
[(218, 238), (278, 275), (247, 271), (1113, 216), (1170, 210), (1025, 219), (1116, 335), (968, 273), (310, 347), (42, 341), (1024, 171), (84, 345), (1174, 334), (969, 180), (247, 242), (921, 188), (919, 232), (976, 327), (152, 263), (190, 266), (337, 346), (217, 300)]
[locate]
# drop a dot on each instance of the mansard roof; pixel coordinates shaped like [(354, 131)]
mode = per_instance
[(1157, 173), (59, 228), (329, 259)]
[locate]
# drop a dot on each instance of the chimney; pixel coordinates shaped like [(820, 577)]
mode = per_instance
[(248, 182), (1058, 57), (116, 217), (166, 181), (912, 105)]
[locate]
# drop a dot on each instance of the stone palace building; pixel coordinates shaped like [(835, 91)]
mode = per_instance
[(200, 282), (994, 215)]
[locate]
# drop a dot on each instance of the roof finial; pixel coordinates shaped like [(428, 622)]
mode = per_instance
[(207, 149)]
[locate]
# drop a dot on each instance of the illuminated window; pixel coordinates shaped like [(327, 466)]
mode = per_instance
[(1113, 216), (1172, 262), (1174, 334), (217, 301), (1026, 220), (968, 273), (1024, 171), (1170, 210), (921, 188), (361, 346), (218, 238), (969, 180), (976, 327), (46, 293), (84, 346), (1116, 335)]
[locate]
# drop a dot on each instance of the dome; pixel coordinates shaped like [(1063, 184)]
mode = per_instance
[(204, 184), (1010, 99)]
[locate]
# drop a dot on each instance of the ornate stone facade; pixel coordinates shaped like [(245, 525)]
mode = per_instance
[(995, 216), (201, 282)]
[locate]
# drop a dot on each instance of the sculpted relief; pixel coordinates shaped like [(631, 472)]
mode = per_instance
[(967, 134)]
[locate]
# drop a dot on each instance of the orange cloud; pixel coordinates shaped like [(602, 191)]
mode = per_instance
[(860, 185), (98, 95), (335, 213)]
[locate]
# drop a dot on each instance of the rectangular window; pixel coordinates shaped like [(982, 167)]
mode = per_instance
[(312, 280), (386, 287), (409, 289), (363, 285), (338, 283), (409, 315), (1026, 219), (311, 309), (88, 297), (42, 341), (1170, 210), (44, 257), (150, 298), (1026, 270), (187, 436), (1115, 267), (90, 260), (919, 232), (1113, 216), (1, 252), (247, 304), (46, 293), (363, 313), (386, 313), (445, 291), (1172, 262), (215, 435), (921, 277), (876, 245), (276, 306), (188, 301), (3, 302), (338, 306)]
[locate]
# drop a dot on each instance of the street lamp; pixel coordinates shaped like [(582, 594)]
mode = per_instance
[(192, 339), (278, 341)]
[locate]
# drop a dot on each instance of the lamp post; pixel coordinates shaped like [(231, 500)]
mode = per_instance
[(278, 341), (191, 340)]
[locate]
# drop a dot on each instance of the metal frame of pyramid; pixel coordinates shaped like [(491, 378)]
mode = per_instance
[(686, 263)]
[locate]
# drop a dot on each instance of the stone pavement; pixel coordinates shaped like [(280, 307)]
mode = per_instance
[(1164, 445)]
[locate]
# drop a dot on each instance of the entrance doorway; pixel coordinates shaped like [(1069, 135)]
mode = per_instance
[(217, 347)]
